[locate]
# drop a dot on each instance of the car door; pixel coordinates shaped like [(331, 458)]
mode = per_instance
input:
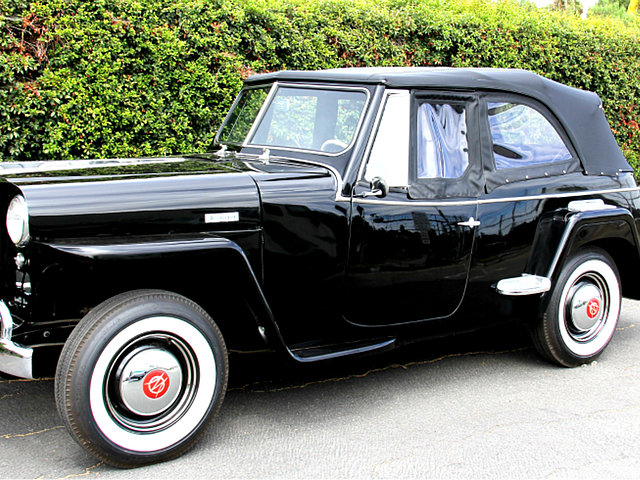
[(411, 246), (531, 170)]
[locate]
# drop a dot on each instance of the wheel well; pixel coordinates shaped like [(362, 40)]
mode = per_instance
[(236, 312), (625, 256), (226, 290), (220, 282)]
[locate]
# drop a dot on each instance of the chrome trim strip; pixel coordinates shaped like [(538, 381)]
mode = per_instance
[(14, 359), (343, 353), (496, 200), (563, 242), (524, 285), (269, 99), (332, 170), (341, 198), (13, 168), (544, 196)]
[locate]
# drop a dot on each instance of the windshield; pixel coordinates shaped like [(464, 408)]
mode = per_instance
[(242, 115), (306, 118)]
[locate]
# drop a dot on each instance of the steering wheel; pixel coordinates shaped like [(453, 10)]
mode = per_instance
[(333, 142)]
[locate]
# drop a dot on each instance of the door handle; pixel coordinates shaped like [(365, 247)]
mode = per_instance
[(471, 223)]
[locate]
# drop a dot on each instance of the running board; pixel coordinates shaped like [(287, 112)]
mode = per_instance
[(327, 352)]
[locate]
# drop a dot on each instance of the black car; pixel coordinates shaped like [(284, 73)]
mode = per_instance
[(343, 212)]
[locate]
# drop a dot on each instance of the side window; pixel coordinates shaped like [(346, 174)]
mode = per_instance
[(389, 156), (442, 148), (523, 137)]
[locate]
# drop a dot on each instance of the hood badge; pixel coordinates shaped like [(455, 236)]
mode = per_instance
[(221, 217)]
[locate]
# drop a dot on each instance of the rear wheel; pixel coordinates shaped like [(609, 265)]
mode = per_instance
[(583, 310), (141, 377)]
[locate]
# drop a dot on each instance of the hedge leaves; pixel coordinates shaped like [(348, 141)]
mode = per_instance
[(118, 78)]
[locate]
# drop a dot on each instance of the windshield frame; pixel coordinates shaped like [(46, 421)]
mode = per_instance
[(267, 103)]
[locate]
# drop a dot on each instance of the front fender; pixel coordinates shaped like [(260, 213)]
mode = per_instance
[(223, 277)]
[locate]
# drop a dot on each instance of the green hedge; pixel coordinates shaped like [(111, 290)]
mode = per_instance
[(112, 78)]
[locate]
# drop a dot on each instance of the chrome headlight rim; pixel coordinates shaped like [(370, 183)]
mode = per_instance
[(17, 221)]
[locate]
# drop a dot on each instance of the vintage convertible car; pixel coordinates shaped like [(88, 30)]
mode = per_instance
[(344, 212)]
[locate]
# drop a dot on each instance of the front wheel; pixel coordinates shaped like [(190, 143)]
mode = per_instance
[(141, 377), (583, 310)]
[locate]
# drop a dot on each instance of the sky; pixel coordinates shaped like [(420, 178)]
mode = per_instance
[(586, 4)]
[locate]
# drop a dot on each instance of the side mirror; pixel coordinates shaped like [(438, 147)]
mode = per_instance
[(379, 187)]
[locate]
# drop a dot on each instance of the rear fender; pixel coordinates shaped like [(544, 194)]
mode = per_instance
[(562, 233)]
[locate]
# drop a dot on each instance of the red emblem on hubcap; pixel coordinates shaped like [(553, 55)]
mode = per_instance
[(155, 383), (593, 308)]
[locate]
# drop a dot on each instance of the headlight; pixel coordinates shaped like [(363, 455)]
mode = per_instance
[(18, 220)]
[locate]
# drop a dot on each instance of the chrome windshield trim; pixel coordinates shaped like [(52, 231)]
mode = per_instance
[(272, 94)]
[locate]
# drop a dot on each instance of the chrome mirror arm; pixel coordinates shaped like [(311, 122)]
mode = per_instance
[(378, 188), (371, 193)]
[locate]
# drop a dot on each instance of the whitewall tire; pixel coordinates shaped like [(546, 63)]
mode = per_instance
[(141, 377), (583, 310)]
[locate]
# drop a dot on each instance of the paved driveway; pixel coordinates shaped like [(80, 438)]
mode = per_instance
[(473, 407)]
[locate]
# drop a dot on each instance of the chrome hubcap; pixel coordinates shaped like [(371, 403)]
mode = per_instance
[(150, 380), (151, 383), (586, 307)]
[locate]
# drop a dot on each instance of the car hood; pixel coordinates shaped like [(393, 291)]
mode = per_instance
[(75, 171), (188, 194)]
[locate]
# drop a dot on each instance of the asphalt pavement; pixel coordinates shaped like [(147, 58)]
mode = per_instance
[(479, 406)]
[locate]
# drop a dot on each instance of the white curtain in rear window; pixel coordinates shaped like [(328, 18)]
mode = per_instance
[(442, 141)]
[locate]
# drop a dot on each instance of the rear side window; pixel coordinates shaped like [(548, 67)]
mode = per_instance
[(523, 137), (442, 148)]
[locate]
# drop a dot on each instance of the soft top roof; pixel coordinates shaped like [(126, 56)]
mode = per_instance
[(579, 111)]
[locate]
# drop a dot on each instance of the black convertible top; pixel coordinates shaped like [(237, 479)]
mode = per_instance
[(579, 111)]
